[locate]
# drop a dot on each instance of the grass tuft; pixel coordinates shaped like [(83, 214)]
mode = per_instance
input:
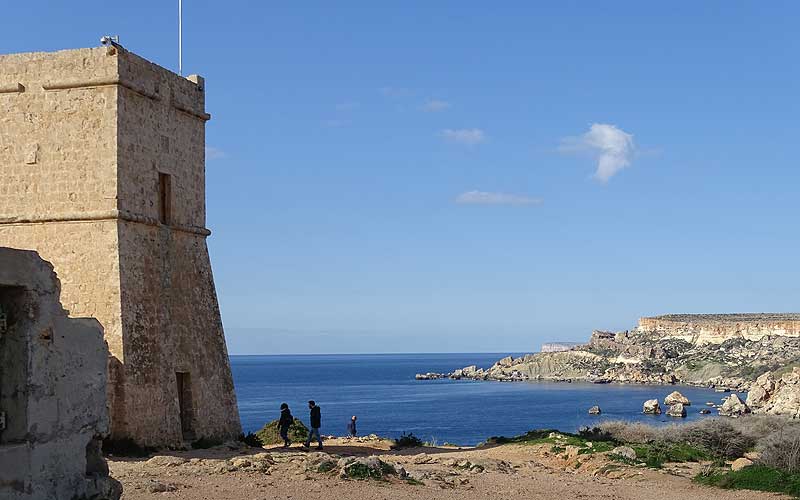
[(757, 477)]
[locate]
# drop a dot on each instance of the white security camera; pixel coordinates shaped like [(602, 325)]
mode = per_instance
[(109, 40)]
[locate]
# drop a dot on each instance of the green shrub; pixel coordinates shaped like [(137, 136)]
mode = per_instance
[(407, 441), (655, 455), (251, 439), (326, 466), (756, 477), (719, 437), (270, 433)]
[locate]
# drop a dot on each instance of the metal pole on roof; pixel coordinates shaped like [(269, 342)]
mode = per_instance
[(180, 37)]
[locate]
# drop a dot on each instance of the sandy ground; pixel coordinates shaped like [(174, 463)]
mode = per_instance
[(497, 473)]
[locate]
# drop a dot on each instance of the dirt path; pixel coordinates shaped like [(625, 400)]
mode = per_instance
[(498, 473)]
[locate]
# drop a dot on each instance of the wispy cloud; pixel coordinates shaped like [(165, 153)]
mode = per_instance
[(468, 136), (494, 198), (613, 147), (435, 106), (213, 153)]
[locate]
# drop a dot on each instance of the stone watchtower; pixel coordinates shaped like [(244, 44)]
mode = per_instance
[(102, 171)]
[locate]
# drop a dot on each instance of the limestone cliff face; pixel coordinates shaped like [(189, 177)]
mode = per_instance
[(707, 350), (717, 328)]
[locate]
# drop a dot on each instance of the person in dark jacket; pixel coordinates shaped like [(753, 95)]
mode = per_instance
[(351, 427), (316, 423), (284, 423)]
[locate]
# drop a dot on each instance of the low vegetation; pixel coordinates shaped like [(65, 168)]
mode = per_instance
[(776, 441), (251, 439), (270, 434), (757, 477), (407, 441)]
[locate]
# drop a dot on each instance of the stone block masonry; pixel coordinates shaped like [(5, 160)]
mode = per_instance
[(102, 171)]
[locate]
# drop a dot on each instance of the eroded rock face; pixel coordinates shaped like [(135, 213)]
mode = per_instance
[(676, 410), (676, 397), (733, 406), (52, 390), (776, 395)]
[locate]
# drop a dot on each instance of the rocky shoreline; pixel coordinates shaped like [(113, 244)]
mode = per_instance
[(733, 363)]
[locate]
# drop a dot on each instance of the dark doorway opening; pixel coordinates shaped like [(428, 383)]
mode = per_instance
[(15, 319), (185, 404)]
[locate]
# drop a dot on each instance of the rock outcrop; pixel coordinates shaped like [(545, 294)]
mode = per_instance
[(733, 406), (651, 407), (654, 353), (676, 397), (776, 394), (676, 410)]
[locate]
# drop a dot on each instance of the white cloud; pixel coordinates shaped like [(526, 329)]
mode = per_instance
[(435, 105), (490, 198), (469, 136), (213, 153), (613, 147)]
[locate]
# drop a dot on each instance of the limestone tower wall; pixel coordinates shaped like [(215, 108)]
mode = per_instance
[(102, 171)]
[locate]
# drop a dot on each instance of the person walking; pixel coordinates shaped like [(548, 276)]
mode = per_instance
[(316, 423), (351, 427), (284, 423)]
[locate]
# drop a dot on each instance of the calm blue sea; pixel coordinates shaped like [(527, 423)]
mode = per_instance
[(381, 390)]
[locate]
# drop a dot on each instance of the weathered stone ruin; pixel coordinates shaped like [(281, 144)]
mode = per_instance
[(102, 161), (53, 412)]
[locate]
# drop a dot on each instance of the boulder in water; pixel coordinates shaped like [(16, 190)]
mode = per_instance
[(676, 397), (595, 410), (676, 410), (651, 407)]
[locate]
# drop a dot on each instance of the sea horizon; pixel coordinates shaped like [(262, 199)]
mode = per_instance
[(382, 391)]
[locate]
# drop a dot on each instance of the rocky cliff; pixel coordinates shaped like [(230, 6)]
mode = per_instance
[(728, 351)]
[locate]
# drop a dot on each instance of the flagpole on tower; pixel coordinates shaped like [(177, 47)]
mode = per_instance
[(180, 37)]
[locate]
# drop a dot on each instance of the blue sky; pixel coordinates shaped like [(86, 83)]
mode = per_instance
[(472, 177)]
